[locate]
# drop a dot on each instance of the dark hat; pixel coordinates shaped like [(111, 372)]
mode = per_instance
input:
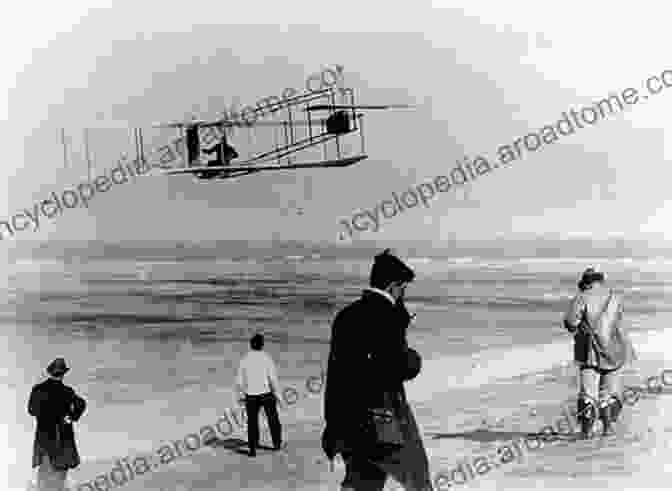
[(388, 268), (57, 367), (589, 276), (257, 342)]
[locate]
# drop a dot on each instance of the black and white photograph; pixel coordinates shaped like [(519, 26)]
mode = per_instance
[(349, 246)]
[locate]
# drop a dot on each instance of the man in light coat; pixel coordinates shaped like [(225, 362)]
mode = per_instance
[(601, 349)]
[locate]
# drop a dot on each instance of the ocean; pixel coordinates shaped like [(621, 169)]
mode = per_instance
[(154, 344)]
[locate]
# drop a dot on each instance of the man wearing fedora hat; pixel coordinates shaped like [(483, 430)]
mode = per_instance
[(56, 407), (368, 419), (601, 349)]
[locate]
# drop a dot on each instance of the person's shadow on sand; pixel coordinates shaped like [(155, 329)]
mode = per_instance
[(234, 444), (489, 436), (481, 435)]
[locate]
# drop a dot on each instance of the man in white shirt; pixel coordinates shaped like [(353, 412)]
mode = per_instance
[(257, 382)]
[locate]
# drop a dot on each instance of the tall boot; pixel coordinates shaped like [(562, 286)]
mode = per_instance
[(607, 419), (616, 408), (586, 416), (609, 414)]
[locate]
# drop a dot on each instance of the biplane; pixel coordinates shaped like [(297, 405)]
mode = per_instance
[(297, 132)]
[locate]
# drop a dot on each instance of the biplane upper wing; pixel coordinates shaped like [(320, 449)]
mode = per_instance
[(253, 168), (271, 107), (329, 107), (242, 124)]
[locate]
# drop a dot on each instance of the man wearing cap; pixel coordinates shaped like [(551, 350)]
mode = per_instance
[(56, 407), (369, 360), (601, 349)]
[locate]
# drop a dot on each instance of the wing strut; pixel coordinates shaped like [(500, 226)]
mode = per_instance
[(65, 148)]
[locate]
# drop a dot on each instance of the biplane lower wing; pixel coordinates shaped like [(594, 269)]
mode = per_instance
[(224, 169)]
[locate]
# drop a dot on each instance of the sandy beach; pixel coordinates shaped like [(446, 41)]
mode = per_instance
[(499, 151), (155, 356), (459, 423)]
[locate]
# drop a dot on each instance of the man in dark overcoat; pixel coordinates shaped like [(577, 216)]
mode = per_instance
[(56, 407), (370, 359)]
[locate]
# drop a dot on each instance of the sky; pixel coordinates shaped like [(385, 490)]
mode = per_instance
[(480, 73)]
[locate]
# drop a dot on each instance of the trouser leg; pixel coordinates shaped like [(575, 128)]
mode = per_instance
[(48, 478), (252, 405), (415, 474), (271, 410), (589, 383), (362, 475), (587, 403), (610, 385), (610, 401)]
